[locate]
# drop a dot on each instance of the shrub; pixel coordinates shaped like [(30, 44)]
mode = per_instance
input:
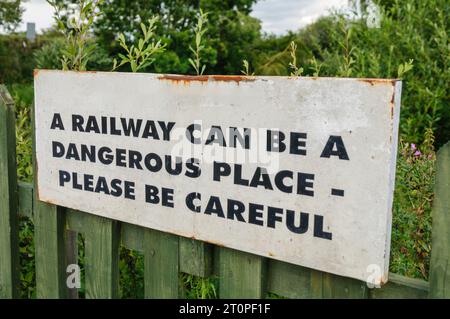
[(16, 60), (49, 55), (413, 197)]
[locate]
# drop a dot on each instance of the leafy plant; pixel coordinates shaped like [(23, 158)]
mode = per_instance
[(23, 97), (131, 268), (404, 67), (413, 197), (141, 55), (24, 145), (296, 71), (49, 55), (199, 31), (345, 69), (197, 287), (16, 58), (315, 66), (246, 69), (26, 258), (79, 47)]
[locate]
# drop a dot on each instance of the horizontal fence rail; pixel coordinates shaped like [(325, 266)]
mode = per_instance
[(240, 275)]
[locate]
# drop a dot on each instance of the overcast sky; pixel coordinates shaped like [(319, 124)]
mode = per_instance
[(277, 16)]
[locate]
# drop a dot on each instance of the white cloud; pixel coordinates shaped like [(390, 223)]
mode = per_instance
[(39, 12), (279, 16)]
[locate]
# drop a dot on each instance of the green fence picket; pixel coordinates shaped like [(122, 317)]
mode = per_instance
[(49, 241), (161, 263), (195, 257), (9, 228), (440, 253), (102, 238), (242, 275)]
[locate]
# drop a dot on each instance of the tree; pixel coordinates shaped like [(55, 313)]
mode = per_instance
[(231, 31), (10, 14)]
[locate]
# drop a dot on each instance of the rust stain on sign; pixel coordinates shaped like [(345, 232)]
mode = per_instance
[(378, 81), (194, 237), (393, 97), (37, 71), (391, 104), (186, 79)]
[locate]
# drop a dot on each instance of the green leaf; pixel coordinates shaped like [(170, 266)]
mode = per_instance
[(61, 25), (144, 29), (88, 6), (198, 39), (193, 64), (133, 66), (122, 37)]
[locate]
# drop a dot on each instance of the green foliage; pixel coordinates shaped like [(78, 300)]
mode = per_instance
[(230, 35), (24, 145), (80, 260), (413, 197), (16, 58), (296, 71), (26, 256), (23, 97), (49, 56), (246, 70), (405, 67), (131, 267), (10, 14), (315, 66), (271, 295), (198, 288), (141, 55), (199, 31), (345, 67), (79, 45)]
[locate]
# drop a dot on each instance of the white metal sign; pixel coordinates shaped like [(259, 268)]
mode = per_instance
[(296, 169)]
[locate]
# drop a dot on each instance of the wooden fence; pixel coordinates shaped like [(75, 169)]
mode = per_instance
[(240, 275)]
